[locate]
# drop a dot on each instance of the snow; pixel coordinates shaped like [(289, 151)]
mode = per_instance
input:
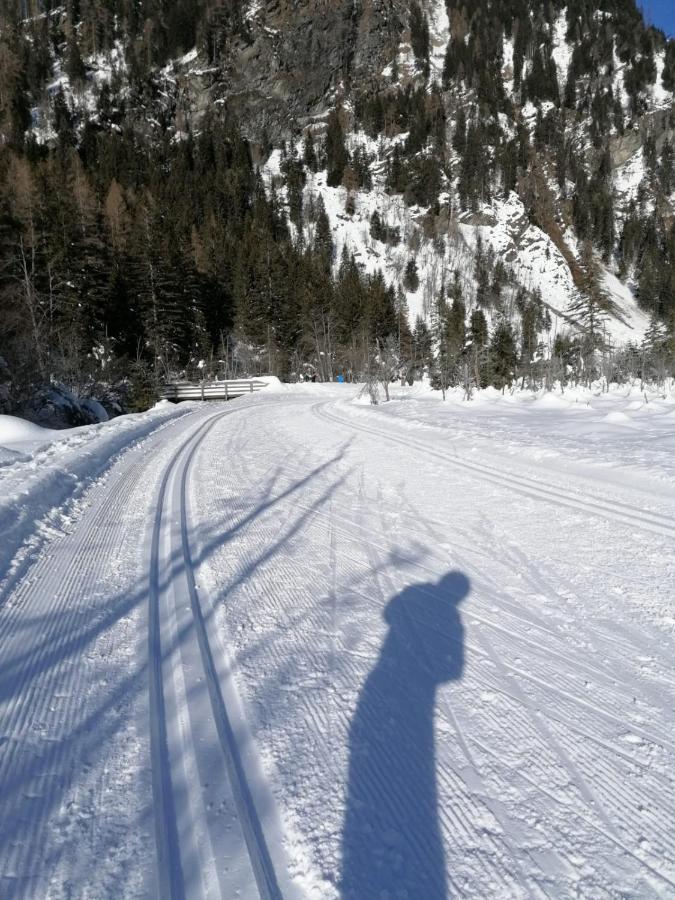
[(628, 178), (44, 473), (272, 384), (660, 97), (354, 231), (538, 263), (101, 69), (502, 225), (298, 646), (439, 35), (561, 53), (188, 58), (16, 432), (507, 66), (631, 323)]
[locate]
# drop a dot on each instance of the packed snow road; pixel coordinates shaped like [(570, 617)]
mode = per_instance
[(294, 646)]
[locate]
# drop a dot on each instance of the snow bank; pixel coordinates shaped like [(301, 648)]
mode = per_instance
[(273, 385), (15, 432)]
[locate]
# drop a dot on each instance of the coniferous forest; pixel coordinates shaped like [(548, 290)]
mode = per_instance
[(139, 240)]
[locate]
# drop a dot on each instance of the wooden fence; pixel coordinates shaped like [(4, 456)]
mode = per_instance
[(210, 390)]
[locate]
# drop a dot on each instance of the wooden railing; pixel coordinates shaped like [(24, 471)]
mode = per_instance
[(210, 390)]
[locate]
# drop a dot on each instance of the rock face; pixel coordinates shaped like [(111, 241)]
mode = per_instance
[(659, 123), (300, 57)]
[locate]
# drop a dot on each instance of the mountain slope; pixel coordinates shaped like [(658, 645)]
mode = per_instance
[(192, 183)]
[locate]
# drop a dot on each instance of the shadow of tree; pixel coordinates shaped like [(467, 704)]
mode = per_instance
[(39, 664)]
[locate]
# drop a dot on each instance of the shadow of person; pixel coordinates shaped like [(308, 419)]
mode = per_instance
[(391, 842)]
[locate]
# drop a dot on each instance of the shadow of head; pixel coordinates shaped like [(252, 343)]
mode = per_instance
[(425, 625)]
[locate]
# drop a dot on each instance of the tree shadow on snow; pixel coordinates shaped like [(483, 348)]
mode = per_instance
[(68, 749), (391, 843)]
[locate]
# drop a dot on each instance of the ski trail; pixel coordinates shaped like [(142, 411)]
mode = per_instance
[(200, 818), (347, 528), (189, 714), (475, 785), (617, 511), (212, 626), (48, 627), (300, 668), (263, 868)]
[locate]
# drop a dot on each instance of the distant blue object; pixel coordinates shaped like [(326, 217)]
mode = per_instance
[(660, 13), (341, 379)]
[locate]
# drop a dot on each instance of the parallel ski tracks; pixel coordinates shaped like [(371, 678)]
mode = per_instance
[(54, 596), (172, 883), (617, 511)]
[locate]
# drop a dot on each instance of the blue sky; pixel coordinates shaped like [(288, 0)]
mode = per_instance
[(661, 13)]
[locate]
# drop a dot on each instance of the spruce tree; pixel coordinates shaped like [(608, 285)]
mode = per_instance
[(419, 37), (443, 362), (411, 280), (503, 355), (309, 151), (75, 68), (589, 309), (337, 156), (323, 238)]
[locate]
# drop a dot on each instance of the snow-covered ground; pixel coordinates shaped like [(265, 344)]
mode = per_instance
[(296, 645), (44, 472)]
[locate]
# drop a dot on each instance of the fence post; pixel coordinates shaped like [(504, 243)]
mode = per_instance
[(201, 388), (226, 397), (250, 387)]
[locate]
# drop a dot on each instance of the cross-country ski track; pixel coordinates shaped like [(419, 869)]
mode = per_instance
[(295, 646)]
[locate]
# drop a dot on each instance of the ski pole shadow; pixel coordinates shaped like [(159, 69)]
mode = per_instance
[(391, 840)]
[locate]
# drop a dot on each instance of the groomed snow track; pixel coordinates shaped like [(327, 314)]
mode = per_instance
[(209, 842), (170, 553), (237, 661), (615, 510)]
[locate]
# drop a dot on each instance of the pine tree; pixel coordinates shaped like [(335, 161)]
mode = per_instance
[(294, 173), (309, 152), (443, 363), (422, 348), (503, 355), (589, 309), (337, 156), (403, 336), (15, 114), (411, 281), (456, 326), (75, 68), (478, 338), (377, 232), (419, 37), (323, 238)]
